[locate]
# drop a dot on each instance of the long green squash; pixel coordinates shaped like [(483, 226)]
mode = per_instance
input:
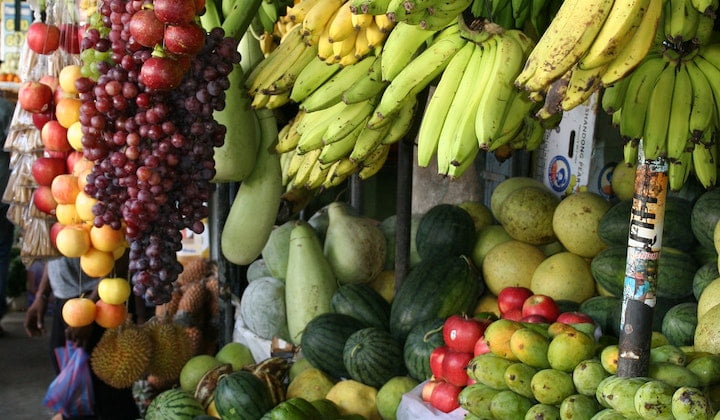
[(309, 281), (256, 205)]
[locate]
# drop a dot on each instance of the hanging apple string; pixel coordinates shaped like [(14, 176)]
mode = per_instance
[(148, 126)]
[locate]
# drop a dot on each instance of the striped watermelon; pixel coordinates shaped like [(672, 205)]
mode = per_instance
[(242, 396), (421, 341), (324, 339), (372, 356), (362, 302), (174, 404)]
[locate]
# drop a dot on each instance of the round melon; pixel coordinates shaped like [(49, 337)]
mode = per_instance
[(709, 297), (174, 404), (194, 370), (527, 215), (623, 180), (707, 333), (486, 240), (262, 307), (507, 186), (511, 263), (564, 276), (576, 220)]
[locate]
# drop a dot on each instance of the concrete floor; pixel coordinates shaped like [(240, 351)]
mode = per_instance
[(25, 371)]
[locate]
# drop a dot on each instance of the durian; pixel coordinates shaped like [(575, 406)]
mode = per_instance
[(171, 349), (122, 355)]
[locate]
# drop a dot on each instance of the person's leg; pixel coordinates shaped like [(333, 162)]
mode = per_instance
[(7, 230)]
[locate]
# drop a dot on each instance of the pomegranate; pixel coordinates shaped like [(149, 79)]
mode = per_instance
[(145, 28), (186, 39)]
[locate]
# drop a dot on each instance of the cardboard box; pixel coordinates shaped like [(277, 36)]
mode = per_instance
[(195, 245), (581, 153)]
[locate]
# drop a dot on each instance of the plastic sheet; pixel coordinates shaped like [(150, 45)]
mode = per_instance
[(412, 407)]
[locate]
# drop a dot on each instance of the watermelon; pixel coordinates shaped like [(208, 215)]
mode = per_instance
[(435, 288), (242, 396), (602, 310), (174, 403), (679, 323), (421, 341), (362, 302), (293, 409), (445, 230), (704, 276), (372, 356), (705, 215), (262, 307), (324, 340)]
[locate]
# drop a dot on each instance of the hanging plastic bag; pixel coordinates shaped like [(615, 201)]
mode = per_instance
[(71, 392)]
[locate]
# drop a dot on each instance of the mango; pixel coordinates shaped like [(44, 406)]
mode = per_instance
[(310, 384), (608, 414), (530, 347), (667, 353), (603, 390), (587, 375), (654, 400), (568, 349), (609, 358), (621, 394), (673, 374), (389, 395), (489, 369), (551, 386), (707, 369), (689, 403), (557, 328), (476, 399), (657, 339), (578, 407), (543, 412), (509, 405), (498, 336), (518, 377)]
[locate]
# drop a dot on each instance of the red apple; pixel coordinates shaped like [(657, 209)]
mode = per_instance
[(69, 40), (50, 80), (56, 154), (40, 118), (43, 38), (436, 360), (534, 319), (54, 229), (542, 305), (470, 381), (512, 297), (59, 93), (73, 158), (481, 347), (428, 388), (455, 367), (43, 199), (54, 137), (45, 169), (575, 317), (35, 96), (513, 314), (461, 332), (445, 397)]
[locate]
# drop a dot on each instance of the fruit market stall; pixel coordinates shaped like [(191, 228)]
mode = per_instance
[(382, 209)]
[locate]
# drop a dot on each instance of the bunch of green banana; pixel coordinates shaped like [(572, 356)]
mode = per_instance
[(475, 105), (531, 16), (587, 45), (428, 14)]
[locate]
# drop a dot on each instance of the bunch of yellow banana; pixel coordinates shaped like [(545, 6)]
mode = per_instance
[(672, 105), (587, 45), (475, 105)]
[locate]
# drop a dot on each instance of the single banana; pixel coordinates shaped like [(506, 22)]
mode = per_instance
[(324, 45), (344, 47), (375, 36), (402, 122), (637, 96), (534, 133), (317, 18), (361, 20), (369, 86), (582, 84), (678, 128), (292, 167), (309, 160), (331, 91), (704, 108), (384, 23), (346, 167), (362, 45), (259, 100), (630, 150), (439, 103), (613, 96), (637, 47), (341, 25), (712, 74), (277, 100), (553, 98), (285, 82), (297, 12), (311, 119), (348, 59), (346, 121), (372, 7), (469, 80), (521, 12), (367, 140), (705, 30), (416, 76), (567, 38), (317, 176), (271, 63), (706, 7), (285, 162), (620, 26), (267, 15), (496, 92), (374, 162), (455, 171), (312, 77), (681, 21), (301, 54), (334, 178), (515, 118), (312, 137), (679, 170), (401, 45), (289, 137), (332, 152), (657, 116), (704, 161)]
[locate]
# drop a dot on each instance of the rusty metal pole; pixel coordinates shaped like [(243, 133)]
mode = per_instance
[(641, 268)]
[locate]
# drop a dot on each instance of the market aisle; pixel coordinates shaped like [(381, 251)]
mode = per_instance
[(25, 371)]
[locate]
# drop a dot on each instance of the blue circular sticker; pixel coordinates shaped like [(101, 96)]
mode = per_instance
[(604, 180), (559, 173)]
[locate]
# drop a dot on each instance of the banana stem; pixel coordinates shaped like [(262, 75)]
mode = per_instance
[(211, 18), (240, 17)]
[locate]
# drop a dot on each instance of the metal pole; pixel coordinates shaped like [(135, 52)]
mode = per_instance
[(643, 254)]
